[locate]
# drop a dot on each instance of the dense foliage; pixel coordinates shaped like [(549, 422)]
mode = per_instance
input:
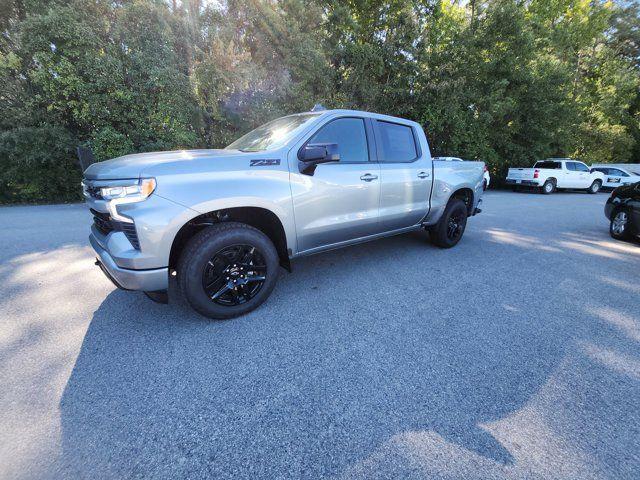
[(505, 81)]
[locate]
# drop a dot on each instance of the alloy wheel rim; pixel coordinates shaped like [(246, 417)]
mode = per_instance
[(619, 223), (234, 275), (548, 187), (455, 226)]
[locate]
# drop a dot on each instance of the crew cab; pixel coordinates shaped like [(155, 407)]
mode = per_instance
[(553, 174), (223, 221)]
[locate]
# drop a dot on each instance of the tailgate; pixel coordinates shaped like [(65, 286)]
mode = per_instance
[(520, 173)]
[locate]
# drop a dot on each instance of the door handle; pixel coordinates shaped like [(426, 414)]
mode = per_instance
[(367, 177), (424, 175)]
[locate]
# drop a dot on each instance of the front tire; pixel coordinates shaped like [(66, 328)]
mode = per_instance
[(227, 270), (595, 187), (450, 228), (620, 226)]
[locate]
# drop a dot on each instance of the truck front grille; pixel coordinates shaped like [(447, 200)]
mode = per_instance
[(129, 230), (102, 221), (105, 225), (90, 190)]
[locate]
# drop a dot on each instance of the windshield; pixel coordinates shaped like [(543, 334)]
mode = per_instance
[(273, 134)]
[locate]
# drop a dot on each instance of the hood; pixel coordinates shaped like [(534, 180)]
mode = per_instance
[(143, 164)]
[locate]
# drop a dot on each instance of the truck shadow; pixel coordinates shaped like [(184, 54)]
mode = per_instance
[(321, 376)]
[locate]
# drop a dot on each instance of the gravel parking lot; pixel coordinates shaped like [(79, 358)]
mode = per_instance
[(514, 355)]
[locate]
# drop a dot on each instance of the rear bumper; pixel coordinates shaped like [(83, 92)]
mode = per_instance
[(127, 279), (527, 183)]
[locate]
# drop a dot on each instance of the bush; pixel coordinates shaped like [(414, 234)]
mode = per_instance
[(38, 164)]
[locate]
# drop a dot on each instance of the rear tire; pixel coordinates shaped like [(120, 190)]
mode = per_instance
[(450, 228), (227, 270), (548, 187), (595, 187)]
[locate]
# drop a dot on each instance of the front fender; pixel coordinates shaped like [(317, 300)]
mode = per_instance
[(267, 189)]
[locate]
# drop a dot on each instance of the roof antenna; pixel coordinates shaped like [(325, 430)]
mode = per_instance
[(318, 107)]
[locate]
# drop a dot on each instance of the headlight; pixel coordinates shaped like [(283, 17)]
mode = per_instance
[(137, 191)]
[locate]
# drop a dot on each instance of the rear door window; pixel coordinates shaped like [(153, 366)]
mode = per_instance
[(398, 142)]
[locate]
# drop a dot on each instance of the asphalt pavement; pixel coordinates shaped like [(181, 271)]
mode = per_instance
[(514, 355)]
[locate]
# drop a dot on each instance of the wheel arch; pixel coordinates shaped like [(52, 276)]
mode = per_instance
[(263, 219), (466, 195)]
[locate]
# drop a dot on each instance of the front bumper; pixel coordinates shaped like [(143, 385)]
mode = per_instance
[(608, 209), (477, 208), (149, 280)]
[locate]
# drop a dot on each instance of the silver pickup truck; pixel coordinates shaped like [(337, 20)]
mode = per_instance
[(223, 221)]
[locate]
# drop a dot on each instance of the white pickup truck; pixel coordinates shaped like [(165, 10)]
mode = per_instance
[(556, 173)]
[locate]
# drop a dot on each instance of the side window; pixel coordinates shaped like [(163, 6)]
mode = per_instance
[(570, 166), (398, 143), (349, 134), (619, 173), (581, 167)]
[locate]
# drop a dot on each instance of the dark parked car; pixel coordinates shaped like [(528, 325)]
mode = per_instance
[(623, 210)]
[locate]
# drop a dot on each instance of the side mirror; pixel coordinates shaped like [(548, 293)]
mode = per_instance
[(319, 153), (316, 153)]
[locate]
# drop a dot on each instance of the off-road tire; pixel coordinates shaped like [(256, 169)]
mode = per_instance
[(203, 246), (439, 232)]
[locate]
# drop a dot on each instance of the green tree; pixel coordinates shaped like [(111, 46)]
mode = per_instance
[(504, 81)]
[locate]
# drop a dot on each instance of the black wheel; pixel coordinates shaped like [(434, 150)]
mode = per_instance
[(449, 230), (227, 270), (620, 226), (595, 187), (548, 187), (514, 189)]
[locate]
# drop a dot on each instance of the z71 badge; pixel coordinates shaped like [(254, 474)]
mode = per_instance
[(264, 162)]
